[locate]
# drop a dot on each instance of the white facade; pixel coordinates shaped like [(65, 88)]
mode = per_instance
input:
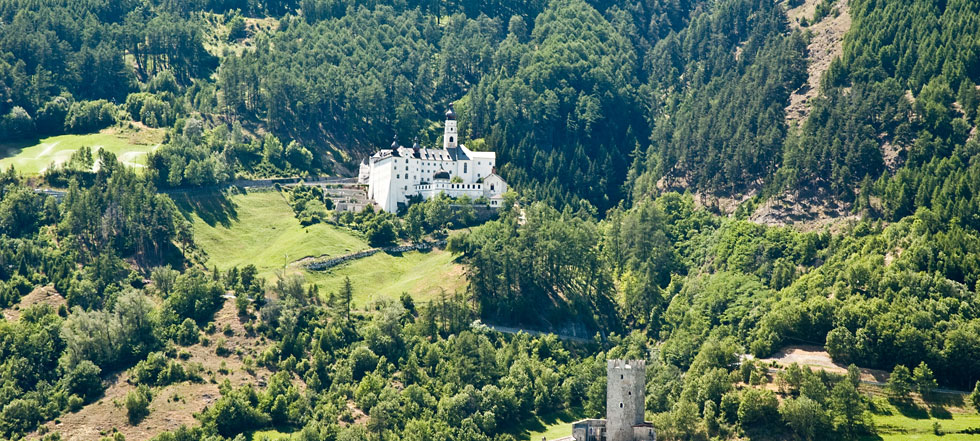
[(398, 173)]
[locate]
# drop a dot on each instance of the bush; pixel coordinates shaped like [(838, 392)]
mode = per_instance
[(975, 396), (84, 380), (236, 28), (298, 156), (149, 109), (138, 404), (381, 233), (187, 332), (758, 406), (51, 118), (17, 124)]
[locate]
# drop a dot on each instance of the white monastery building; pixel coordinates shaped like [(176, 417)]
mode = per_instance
[(398, 173)]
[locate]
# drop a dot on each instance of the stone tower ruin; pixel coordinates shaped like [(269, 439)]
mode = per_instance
[(625, 386), (625, 407)]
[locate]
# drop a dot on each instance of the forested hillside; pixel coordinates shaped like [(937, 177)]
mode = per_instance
[(664, 207), (583, 100)]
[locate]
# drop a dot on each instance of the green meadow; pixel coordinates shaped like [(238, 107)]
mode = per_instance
[(129, 146), (259, 228), (951, 414), (423, 274)]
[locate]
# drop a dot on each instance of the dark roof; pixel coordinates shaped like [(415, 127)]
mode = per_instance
[(441, 175), (450, 114)]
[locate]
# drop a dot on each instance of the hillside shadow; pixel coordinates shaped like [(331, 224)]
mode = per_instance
[(13, 148), (213, 206)]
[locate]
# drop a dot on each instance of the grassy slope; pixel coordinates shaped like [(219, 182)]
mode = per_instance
[(423, 275), (130, 146), (551, 427), (259, 228), (916, 422)]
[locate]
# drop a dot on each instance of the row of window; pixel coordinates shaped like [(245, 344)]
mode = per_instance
[(433, 164)]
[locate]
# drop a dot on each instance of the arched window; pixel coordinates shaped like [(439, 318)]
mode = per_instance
[(450, 139)]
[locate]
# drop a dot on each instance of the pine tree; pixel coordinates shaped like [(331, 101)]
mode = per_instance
[(900, 382), (925, 381), (347, 296)]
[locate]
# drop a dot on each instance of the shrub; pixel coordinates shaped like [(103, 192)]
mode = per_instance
[(138, 404), (236, 28), (51, 118), (84, 380), (757, 407), (188, 332), (17, 124)]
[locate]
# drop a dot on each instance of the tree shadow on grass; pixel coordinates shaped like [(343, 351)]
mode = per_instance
[(213, 206), (540, 423), (940, 412), (945, 399), (13, 148), (909, 409)]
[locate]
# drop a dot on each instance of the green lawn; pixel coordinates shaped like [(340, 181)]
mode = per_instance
[(259, 228), (421, 274), (916, 422), (129, 146)]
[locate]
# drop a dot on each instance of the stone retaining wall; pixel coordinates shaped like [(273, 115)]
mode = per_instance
[(327, 263)]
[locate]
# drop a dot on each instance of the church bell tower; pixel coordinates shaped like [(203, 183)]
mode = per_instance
[(450, 138)]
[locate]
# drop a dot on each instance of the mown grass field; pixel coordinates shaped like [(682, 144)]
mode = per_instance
[(902, 427), (384, 276), (915, 421), (129, 145), (259, 228)]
